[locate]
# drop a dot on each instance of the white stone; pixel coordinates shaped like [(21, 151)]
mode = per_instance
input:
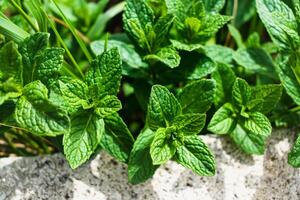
[(239, 176)]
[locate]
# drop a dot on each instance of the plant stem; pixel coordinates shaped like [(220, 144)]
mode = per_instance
[(296, 109), (15, 127), (64, 45), (74, 32), (22, 12), (80, 34), (234, 11)]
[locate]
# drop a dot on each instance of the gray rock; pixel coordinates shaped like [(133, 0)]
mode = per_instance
[(239, 176)]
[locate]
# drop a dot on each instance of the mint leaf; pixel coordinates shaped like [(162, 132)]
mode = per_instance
[(162, 109), (49, 64), (83, 139), (186, 47), (11, 81), (241, 92), (162, 28), (258, 124), (219, 54), (37, 114), (195, 155), (236, 36), (167, 55), (249, 142), (30, 49), (213, 22), (140, 166), (138, 18), (133, 65), (288, 79), (107, 106), (280, 22), (225, 78), (190, 124), (9, 90), (117, 139), (197, 97), (204, 67), (11, 64), (74, 94), (161, 149), (214, 6), (223, 120), (270, 94), (255, 60), (104, 75), (294, 155)]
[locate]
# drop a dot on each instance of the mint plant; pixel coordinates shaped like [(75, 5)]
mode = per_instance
[(166, 73)]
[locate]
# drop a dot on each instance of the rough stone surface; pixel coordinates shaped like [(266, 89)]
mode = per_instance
[(239, 176)]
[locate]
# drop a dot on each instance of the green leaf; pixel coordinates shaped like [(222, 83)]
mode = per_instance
[(104, 75), (9, 90), (270, 94), (241, 92), (161, 149), (138, 17), (236, 36), (167, 55), (219, 53), (11, 30), (36, 114), (212, 24), (258, 124), (186, 47), (108, 105), (162, 28), (140, 167), (195, 155), (11, 63), (249, 142), (177, 8), (74, 94), (34, 7), (288, 80), (223, 120), (11, 70), (49, 64), (190, 124), (214, 6), (117, 139), (162, 109), (83, 139), (30, 48), (280, 22), (203, 68), (294, 155), (198, 96), (225, 78), (133, 65), (255, 60)]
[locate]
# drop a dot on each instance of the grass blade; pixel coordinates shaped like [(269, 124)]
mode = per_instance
[(10, 30), (98, 28), (34, 7), (74, 32)]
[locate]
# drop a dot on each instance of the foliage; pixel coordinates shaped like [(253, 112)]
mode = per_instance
[(181, 69)]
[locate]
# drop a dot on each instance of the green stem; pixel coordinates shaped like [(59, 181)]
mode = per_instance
[(74, 32), (65, 46), (296, 109), (66, 69), (22, 12)]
